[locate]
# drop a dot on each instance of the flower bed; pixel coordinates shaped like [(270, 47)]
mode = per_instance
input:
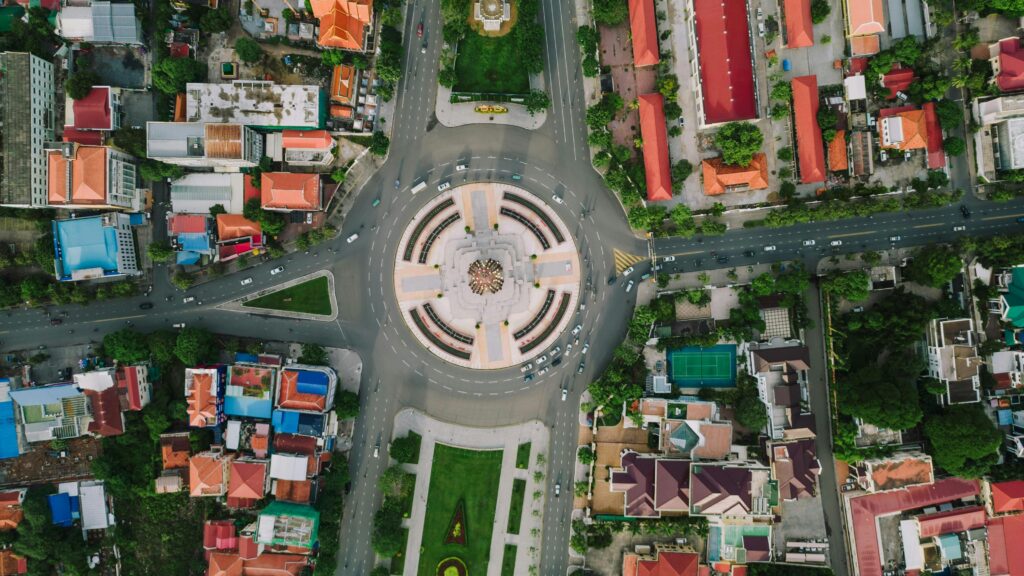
[(452, 566)]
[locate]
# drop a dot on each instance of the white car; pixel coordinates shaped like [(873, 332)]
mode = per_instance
[(558, 489), (669, 259), (526, 368), (555, 351), (247, 281), (770, 248), (542, 360), (557, 199), (181, 325), (629, 286), (586, 346), (894, 238), (627, 271), (460, 167), (808, 242), (277, 271), (565, 394), (352, 238), (443, 186), (577, 329), (543, 370), (960, 228), (188, 299), (836, 243)]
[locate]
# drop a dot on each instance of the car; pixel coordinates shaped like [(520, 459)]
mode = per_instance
[(749, 253), (42, 347), (1020, 220), (760, 29), (558, 489), (188, 299), (903, 98), (397, 184), (722, 259), (423, 49), (769, 248), (145, 305), (576, 330), (557, 199), (277, 271), (895, 238), (56, 321), (960, 228), (247, 281), (565, 394), (627, 271), (178, 325), (351, 238), (460, 167), (629, 286), (526, 368), (760, 14), (883, 156), (611, 280), (556, 362), (528, 378), (808, 242), (965, 211), (444, 186), (849, 486), (543, 370), (555, 351), (376, 450), (682, 121), (542, 359), (836, 243), (376, 202), (858, 309), (580, 369), (669, 259), (517, 177), (645, 276), (419, 30), (586, 346)]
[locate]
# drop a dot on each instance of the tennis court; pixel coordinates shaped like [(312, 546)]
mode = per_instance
[(696, 367)]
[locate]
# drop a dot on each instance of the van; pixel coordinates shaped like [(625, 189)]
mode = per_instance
[(421, 185)]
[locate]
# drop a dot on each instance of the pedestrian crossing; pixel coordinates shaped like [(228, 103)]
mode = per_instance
[(624, 260)]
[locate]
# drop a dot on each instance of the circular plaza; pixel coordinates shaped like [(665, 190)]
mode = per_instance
[(487, 275)]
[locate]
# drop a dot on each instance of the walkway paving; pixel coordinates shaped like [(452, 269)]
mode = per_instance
[(237, 305), (462, 113), (507, 438)]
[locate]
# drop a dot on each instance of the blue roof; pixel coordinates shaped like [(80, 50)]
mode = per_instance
[(63, 508), (195, 242), (8, 431), (248, 407), (185, 258), (40, 395), (950, 545), (1005, 417), (136, 218), (246, 357), (309, 382), (290, 422), (84, 243)]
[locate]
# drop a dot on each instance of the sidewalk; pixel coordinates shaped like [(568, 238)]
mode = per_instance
[(507, 438), (463, 113)]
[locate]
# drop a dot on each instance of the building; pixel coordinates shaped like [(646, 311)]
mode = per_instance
[(290, 191), (191, 237), (248, 482), (204, 145), (1006, 557), (307, 389), (781, 372), (11, 564), (654, 134), (343, 23), (133, 386), (902, 128), (219, 536), (1006, 367), (865, 20), (799, 26), (55, 412), (895, 472), (10, 439), (1009, 305), (11, 512), (95, 506), (249, 561), (1004, 497), (101, 389), (92, 178), (208, 472), (897, 80), (86, 121), (204, 393), (999, 143), (720, 178), (255, 103), (1007, 59), (250, 387), (198, 192), (809, 148), (288, 524), (100, 23), (665, 561), (94, 247), (344, 80), (720, 42), (237, 236), (936, 153), (953, 359), (175, 452), (795, 467), (27, 91), (302, 147), (730, 490), (643, 30)]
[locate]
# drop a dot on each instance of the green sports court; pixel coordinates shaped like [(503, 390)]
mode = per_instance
[(696, 367)]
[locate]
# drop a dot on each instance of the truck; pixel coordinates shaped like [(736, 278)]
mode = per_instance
[(421, 185)]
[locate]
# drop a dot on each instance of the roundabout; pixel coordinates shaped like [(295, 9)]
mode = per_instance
[(486, 276)]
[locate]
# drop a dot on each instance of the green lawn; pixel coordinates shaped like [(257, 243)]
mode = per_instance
[(471, 476), (489, 65), (508, 560), (515, 511), (310, 297), (523, 456)]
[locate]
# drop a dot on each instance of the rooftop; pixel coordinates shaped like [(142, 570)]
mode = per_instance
[(899, 472), (93, 112), (86, 246), (80, 178), (799, 27), (208, 473), (717, 489), (286, 523), (864, 17), (290, 191), (644, 32), (343, 22), (720, 178), (1011, 65), (306, 389), (655, 138), (809, 146), (234, 226), (796, 468), (1007, 496), (724, 52), (202, 394), (254, 103)]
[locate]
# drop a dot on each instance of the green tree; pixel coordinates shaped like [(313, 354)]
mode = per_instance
[(586, 455), (160, 252), (537, 101), (217, 209), (346, 404), (194, 345), (126, 346), (827, 118), (963, 440), (248, 50), (785, 154), (782, 91), (170, 75), (884, 395), (750, 411), (214, 21), (161, 346), (853, 286), (739, 141), (681, 170), (610, 12), (950, 114), (820, 10), (934, 266), (314, 355), (182, 280), (379, 144), (153, 170), (954, 146), (405, 449), (131, 140), (80, 84), (668, 86)]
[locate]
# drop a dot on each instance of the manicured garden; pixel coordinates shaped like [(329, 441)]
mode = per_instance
[(310, 297), (523, 456), (515, 511), (460, 510), (490, 65), (508, 560)]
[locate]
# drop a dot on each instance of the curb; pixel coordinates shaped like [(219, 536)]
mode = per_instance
[(237, 305)]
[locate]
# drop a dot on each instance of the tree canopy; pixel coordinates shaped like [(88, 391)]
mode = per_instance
[(80, 84), (610, 12), (739, 141), (214, 21), (248, 50), (883, 394), (852, 286), (820, 10), (934, 266), (537, 101), (954, 146), (950, 114), (963, 440), (193, 346), (126, 346), (170, 75)]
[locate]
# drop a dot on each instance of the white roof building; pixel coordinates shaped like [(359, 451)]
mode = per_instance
[(197, 192), (102, 22), (254, 103), (288, 467)]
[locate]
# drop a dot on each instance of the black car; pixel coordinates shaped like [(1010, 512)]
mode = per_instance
[(722, 259), (749, 253), (611, 280), (965, 211), (146, 305), (556, 361), (56, 321)]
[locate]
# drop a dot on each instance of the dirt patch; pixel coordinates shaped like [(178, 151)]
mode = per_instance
[(41, 465)]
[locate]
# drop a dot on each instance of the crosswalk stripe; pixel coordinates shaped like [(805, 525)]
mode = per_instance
[(624, 260)]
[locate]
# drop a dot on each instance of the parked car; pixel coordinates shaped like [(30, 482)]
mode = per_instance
[(277, 271), (542, 359), (580, 369), (526, 368), (556, 362), (557, 199), (543, 370), (247, 281), (577, 329), (555, 351), (460, 167), (188, 299), (444, 186), (629, 286), (722, 259), (145, 305)]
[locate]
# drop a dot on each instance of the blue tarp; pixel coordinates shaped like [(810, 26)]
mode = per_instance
[(288, 422), (312, 382), (8, 431), (244, 357), (63, 508), (195, 242)]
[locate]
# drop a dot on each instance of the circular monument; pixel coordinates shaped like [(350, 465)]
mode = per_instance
[(487, 276)]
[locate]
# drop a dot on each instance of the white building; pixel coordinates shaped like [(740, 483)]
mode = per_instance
[(781, 371), (953, 359), (999, 143), (197, 192), (100, 23), (204, 145), (254, 103)]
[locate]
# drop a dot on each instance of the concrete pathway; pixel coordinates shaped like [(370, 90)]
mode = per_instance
[(237, 305), (507, 438), (462, 113)]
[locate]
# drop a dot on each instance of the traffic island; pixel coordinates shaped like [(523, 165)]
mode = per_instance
[(309, 297)]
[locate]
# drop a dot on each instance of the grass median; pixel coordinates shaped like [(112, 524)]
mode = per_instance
[(310, 297), (487, 64)]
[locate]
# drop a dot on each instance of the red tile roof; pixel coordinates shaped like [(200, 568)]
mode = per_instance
[(809, 145), (897, 79), (293, 490), (726, 71), (128, 384), (174, 451), (865, 45), (799, 28), (307, 139), (644, 30), (654, 134), (343, 84), (289, 397), (295, 444), (93, 111), (864, 17), (669, 564), (936, 155), (951, 521), (12, 564), (219, 535), (179, 50), (186, 223), (202, 400), (838, 160), (864, 510), (720, 178), (247, 483), (342, 22), (267, 564), (90, 137), (1008, 496), (290, 191), (106, 412), (858, 65), (233, 226), (1011, 65), (1006, 555), (88, 185)]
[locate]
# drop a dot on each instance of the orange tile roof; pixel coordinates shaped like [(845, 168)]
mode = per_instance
[(293, 490), (202, 403), (799, 27), (340, 111), (12, 564), (267, 564), (699, 410), (343, 84), (206, 474), (174, 451), (10, 517), (342, 22), (1008, 496), (248, 480), (864, 17), (88, 183), (717, 441), (290, 191), (644, 32), (914, 128), (654, 134), (892, 474), (837, 158), (307, 139), (232, 226), (259, 444), (720, 177), (666, 563), (865, 45), (809, 147), (290, 398)]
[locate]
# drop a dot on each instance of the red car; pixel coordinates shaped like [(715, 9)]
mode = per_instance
[(419, 30)]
